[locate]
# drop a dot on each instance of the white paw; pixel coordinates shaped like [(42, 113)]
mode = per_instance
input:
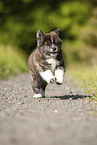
[(59, 74), (47, 76), (37, 96)]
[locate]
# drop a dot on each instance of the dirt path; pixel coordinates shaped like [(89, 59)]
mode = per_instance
[(63, 118)]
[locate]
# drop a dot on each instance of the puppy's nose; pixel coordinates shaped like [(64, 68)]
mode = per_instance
[(55, 49)]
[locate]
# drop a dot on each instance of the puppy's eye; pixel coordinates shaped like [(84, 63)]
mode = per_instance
[(58, 43), (45, 43)]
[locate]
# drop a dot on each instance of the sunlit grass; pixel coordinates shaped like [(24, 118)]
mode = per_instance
[(85, 77), (12, 61)]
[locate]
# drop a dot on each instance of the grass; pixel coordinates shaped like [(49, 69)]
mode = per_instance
[(87, 78), (12, 61)]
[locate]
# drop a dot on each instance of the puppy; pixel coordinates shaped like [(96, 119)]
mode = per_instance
[(46, 63)]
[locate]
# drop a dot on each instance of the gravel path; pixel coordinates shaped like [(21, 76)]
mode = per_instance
[(62, 118)]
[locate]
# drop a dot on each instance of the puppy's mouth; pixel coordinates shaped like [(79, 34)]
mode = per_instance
[(52, 53)]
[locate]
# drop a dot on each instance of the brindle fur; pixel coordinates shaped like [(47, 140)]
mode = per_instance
[(37, 61)]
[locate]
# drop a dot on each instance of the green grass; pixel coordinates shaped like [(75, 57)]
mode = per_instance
[(12, 61), (85, 77)]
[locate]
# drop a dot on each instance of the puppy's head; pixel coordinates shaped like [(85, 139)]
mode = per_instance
[(49, 44)]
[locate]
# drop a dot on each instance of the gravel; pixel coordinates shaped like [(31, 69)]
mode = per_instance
[(65, 117)]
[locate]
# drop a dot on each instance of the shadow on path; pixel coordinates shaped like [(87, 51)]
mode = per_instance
[(76, 96)]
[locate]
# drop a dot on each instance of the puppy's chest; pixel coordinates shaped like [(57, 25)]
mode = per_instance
[(53, 63)]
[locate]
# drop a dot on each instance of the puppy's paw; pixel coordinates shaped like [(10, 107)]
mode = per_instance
[(59, 83), (47, 76), (59, 76), (59, 80), (37, 96)]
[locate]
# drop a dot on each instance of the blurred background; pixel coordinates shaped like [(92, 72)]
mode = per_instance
[(20, 20)]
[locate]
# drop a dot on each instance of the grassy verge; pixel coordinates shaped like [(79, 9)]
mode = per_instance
[(86, 78), (12, 61)]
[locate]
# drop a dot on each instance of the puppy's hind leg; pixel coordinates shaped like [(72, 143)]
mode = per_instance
[(43, 87), (39, 89), (37, 92), (37, 95)]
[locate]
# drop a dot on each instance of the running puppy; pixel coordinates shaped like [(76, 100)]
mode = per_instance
[(46, 63)]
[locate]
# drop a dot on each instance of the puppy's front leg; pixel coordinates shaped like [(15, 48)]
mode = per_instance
[(59, 75), (47, 76)]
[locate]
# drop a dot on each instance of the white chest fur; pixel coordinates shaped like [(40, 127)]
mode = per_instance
[(53, 63)]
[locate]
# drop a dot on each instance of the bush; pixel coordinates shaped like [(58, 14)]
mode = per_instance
[(77, 19), (12, 61), (19, 26)]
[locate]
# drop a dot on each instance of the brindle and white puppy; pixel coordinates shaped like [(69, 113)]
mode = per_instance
[(46, 63)]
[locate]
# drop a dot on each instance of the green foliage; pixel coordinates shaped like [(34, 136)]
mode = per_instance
[(12, 61), (85, 77), (89, 31), (77, 19), (69, 14), (19, 25)]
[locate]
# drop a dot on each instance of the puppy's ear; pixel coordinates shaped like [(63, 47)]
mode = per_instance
[(57, 31), (40, 37)]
